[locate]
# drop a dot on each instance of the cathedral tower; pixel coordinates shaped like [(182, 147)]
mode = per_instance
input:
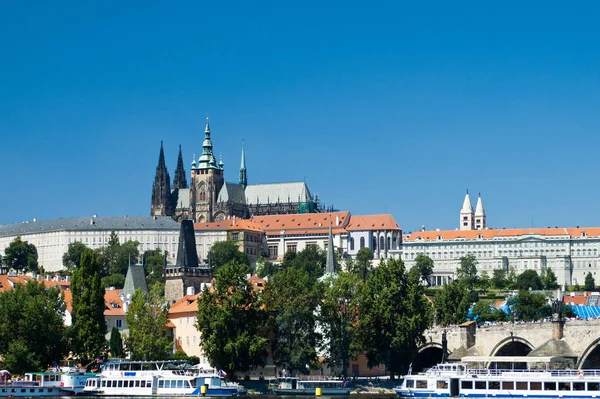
[(207, 180), (161, 189), (179, 181), (243, 177), (480, 223), (466, 214)]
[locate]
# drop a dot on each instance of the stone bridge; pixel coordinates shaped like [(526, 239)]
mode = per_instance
[(578, 340)]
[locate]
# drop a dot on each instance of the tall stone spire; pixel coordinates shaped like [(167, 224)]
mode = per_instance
[(243, 176), (207, 159), (480, 222), (330, 265), (179, 181), (466, 214), (161, 188)]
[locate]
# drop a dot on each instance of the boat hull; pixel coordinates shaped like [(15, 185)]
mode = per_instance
[(311, 391)]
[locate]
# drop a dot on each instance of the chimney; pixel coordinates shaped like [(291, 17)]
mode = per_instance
[(337, 220)]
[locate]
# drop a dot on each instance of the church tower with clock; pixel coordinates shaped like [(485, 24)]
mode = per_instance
[(207, 180)]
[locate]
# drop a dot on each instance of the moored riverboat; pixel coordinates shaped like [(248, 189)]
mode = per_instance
[(309, 386), (158, 378), (45, 383), (457, 380)]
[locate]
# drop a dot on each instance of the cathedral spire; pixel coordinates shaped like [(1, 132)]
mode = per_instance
[(179, 181), (480, 222), (161, 188), (467, 218), (207, 159), (243, 176)]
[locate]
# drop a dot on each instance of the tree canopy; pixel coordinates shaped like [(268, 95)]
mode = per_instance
[(72, 257), (154, 261), (529, 279), (88, 327), (362, 264), (230, 319), (452, 303), (530, 306), (224, 252), (423, 267), (291, 298), (393, 314), (115, 258), (21, 255), (147, 321), (499, 279), (116, 343), (32, 332), (467, 271), (590, 284)]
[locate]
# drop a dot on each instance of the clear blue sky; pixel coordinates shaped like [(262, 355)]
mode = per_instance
[(392, 107)]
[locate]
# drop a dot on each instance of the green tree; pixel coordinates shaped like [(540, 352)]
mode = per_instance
[(362, 263), (229, 320), (116, 343), (499, 280), (72, 257), (482, 312), (88, 328), (484, 281), (590, 284), (393, 314), (32, 332), (147, 321), (114, 280), (511, 278), (467, 271), (452, 303), (224, 252), (339, 314), (530, 306), (21, 255), (154, 262), (292, 297), (529, 279), (265, 268), (423, 267), (549, 281), (116, 257), (312, 259)]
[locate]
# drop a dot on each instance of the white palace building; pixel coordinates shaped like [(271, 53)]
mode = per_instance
[(569, 252)]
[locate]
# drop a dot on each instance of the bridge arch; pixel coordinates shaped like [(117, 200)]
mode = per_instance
[(512, 346), (590, 357), (428, 355)]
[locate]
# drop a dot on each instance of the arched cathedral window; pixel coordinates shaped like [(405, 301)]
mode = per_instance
[(381, 243), (351, 244), (362, 242)]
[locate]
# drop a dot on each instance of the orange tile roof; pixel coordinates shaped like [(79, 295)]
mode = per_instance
[(187, 304), (257, 282), (372, 222), (114, 304), (303, 223), (577, 300), (232, 224), (8, 283), (491, 233), (68, 298)]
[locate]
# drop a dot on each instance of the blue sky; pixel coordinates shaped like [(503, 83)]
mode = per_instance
[(392, 107)]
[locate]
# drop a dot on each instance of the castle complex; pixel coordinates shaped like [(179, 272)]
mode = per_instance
[(211, 199)]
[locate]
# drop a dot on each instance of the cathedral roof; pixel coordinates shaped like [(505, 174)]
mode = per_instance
[(231, 224), (372, 222), (466, 208), (479, 208), (277, 192), (107, 223), (232, 192)]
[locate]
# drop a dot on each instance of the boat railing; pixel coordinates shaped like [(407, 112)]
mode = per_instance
[(532, 372)]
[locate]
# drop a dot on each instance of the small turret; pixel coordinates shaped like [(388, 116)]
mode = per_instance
[(480, 222), (466, 214)]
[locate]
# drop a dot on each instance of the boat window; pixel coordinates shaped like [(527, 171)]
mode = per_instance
[(442, 384), (466, 384), (521, 385), (493, 384), (479, 384), (120, 384), (564, 386), (32, 390), (137, 384), (179, 383), (148, 384), (186, 384), (593, 386), (193, 383), (535, 386), (161, 384), (410, 383), (23, 390), (103, 384), (421, 383), (549, 386), (579, 386), (4, 390)]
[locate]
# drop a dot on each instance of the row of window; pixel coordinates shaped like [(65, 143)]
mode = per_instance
[(126, 384), (513, 385)]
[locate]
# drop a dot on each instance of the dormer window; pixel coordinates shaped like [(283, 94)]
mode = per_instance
[(440, 237)]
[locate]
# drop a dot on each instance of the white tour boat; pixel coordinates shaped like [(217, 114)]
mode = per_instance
[(158, 378), (43, 383), (457, 380)]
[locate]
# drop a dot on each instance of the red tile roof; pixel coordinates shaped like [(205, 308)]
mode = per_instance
[(233, 224), (372, 222), (303, 223)]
